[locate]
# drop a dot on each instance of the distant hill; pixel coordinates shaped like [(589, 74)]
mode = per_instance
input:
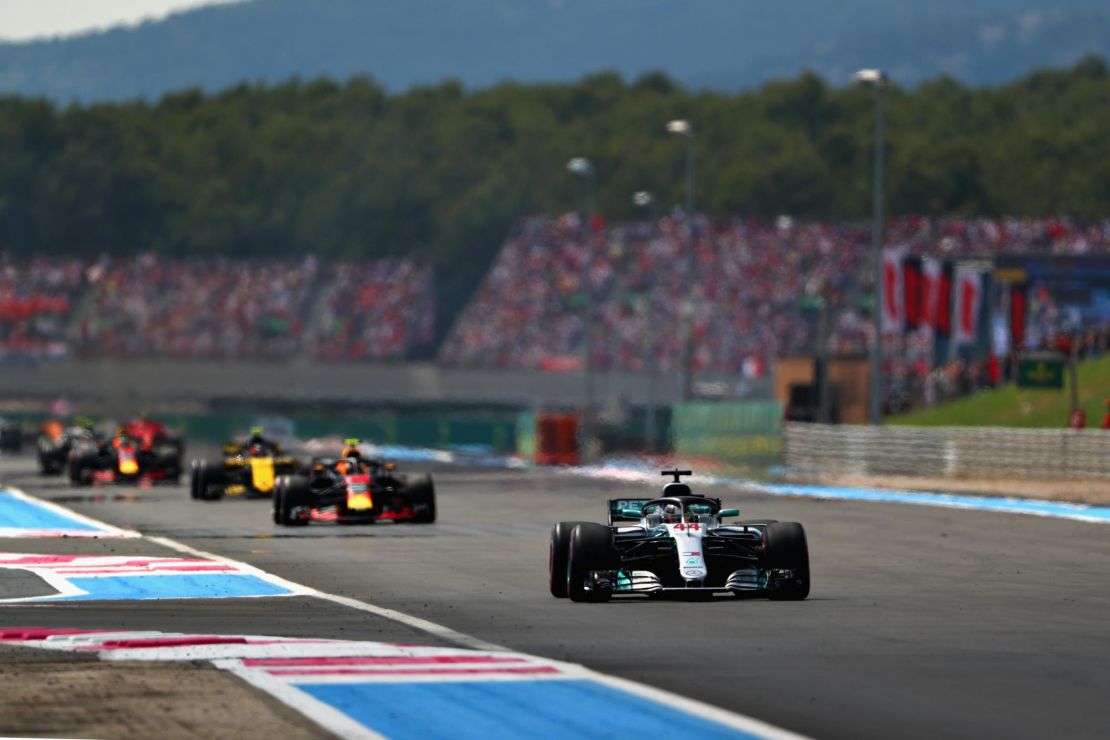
[(719, 44)]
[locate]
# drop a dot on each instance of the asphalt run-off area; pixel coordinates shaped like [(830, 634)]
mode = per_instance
[(937, 619)]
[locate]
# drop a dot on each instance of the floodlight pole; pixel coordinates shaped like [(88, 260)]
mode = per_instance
[(644, 199), (878, 80), (582, 167), (686, 129)]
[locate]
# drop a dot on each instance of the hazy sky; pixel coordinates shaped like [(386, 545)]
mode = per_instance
[(27, 19)]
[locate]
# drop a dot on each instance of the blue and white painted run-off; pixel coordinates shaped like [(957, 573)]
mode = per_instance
[(640, 472), (24, 516), (476, 710), (361, 689), (113, 578)]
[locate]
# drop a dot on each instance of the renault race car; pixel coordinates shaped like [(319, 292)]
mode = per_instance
[(248, 469), (353, 490), (139, 451), (677, 545)]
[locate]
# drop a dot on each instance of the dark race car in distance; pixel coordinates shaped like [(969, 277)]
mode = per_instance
[(55, 442), (139, 451), (679, 545), (353, 490)]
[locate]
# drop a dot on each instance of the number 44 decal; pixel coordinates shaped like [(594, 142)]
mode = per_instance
[(693, 527)]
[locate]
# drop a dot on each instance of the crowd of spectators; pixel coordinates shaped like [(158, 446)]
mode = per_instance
[(378, 310), (36, 301), (145, 306), (754, 295), (148, 306)]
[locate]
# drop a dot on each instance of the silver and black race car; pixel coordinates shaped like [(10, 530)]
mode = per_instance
[(678, 545)]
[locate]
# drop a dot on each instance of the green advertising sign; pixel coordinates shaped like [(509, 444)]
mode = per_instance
[(743, 433), (1041, 371)]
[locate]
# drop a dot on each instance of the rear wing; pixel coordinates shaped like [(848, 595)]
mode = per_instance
[(617, 507)]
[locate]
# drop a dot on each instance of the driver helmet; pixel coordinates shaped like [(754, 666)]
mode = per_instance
[(350, 449), (672, 513)]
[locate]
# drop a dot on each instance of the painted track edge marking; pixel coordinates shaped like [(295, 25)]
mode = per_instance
[(696, 708), (104, 528)]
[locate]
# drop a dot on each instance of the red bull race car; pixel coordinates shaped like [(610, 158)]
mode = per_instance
[(141, 450), (353, 490)]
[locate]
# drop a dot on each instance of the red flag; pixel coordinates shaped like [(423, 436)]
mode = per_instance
[(1017, 316), (893, 294), (911, 281), (969, 289), (944, 301)]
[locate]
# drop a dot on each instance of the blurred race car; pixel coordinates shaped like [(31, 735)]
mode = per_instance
[(140, 450), (679, 545), (353, 490), (11, 436), (249, 469), (55, 442)]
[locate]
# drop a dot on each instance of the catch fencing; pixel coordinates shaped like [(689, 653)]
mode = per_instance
[(979, 452)]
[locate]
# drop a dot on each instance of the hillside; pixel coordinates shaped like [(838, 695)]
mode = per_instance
[(718, 44), (1013, 407)]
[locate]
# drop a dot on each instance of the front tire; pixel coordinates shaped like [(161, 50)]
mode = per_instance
[(558, 554), (787, 549), (293, 492), (422, 493), (591, 549), (210, 481)]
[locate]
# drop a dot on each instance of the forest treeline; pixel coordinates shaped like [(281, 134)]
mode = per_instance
[(348, 170)]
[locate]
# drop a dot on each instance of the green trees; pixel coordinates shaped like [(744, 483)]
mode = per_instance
[(347, 170)]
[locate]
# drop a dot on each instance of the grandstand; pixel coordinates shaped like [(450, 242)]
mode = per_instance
[(752, 285), (755, 287), (145, 306)]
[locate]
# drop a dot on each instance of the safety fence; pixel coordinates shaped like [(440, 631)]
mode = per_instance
[(992, 452)]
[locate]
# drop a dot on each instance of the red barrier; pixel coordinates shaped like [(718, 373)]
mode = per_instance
[(557, 439)]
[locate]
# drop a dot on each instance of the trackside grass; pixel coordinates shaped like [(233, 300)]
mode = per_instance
[(1012, 407)]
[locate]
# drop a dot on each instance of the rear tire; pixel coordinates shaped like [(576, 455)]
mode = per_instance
[(81, 464), (558, 554), (210, 481), (292, 493), (422, 493), (787, 549), (591, 548), (194, 480)]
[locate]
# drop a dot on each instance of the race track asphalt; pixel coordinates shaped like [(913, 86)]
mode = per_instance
[(922, 622)]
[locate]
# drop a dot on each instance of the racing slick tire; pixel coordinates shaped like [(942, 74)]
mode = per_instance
[(422, 493), (208, 481), (49, 462), (168, 460), (290, 491), (591, 548), (11, 438), (557, 555), (81, 466), (787, 549)]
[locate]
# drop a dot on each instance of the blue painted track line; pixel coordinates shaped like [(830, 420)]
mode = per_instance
[(177, 586), (552, 710), (1036, 507), (17, 512)]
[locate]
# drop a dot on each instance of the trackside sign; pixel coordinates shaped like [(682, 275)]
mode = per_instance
[(1041, 370), (740, 433)]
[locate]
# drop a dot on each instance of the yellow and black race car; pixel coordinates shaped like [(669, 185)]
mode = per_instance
[(247, 469)]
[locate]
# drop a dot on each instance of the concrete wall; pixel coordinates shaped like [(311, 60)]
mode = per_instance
[(140, 383)]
